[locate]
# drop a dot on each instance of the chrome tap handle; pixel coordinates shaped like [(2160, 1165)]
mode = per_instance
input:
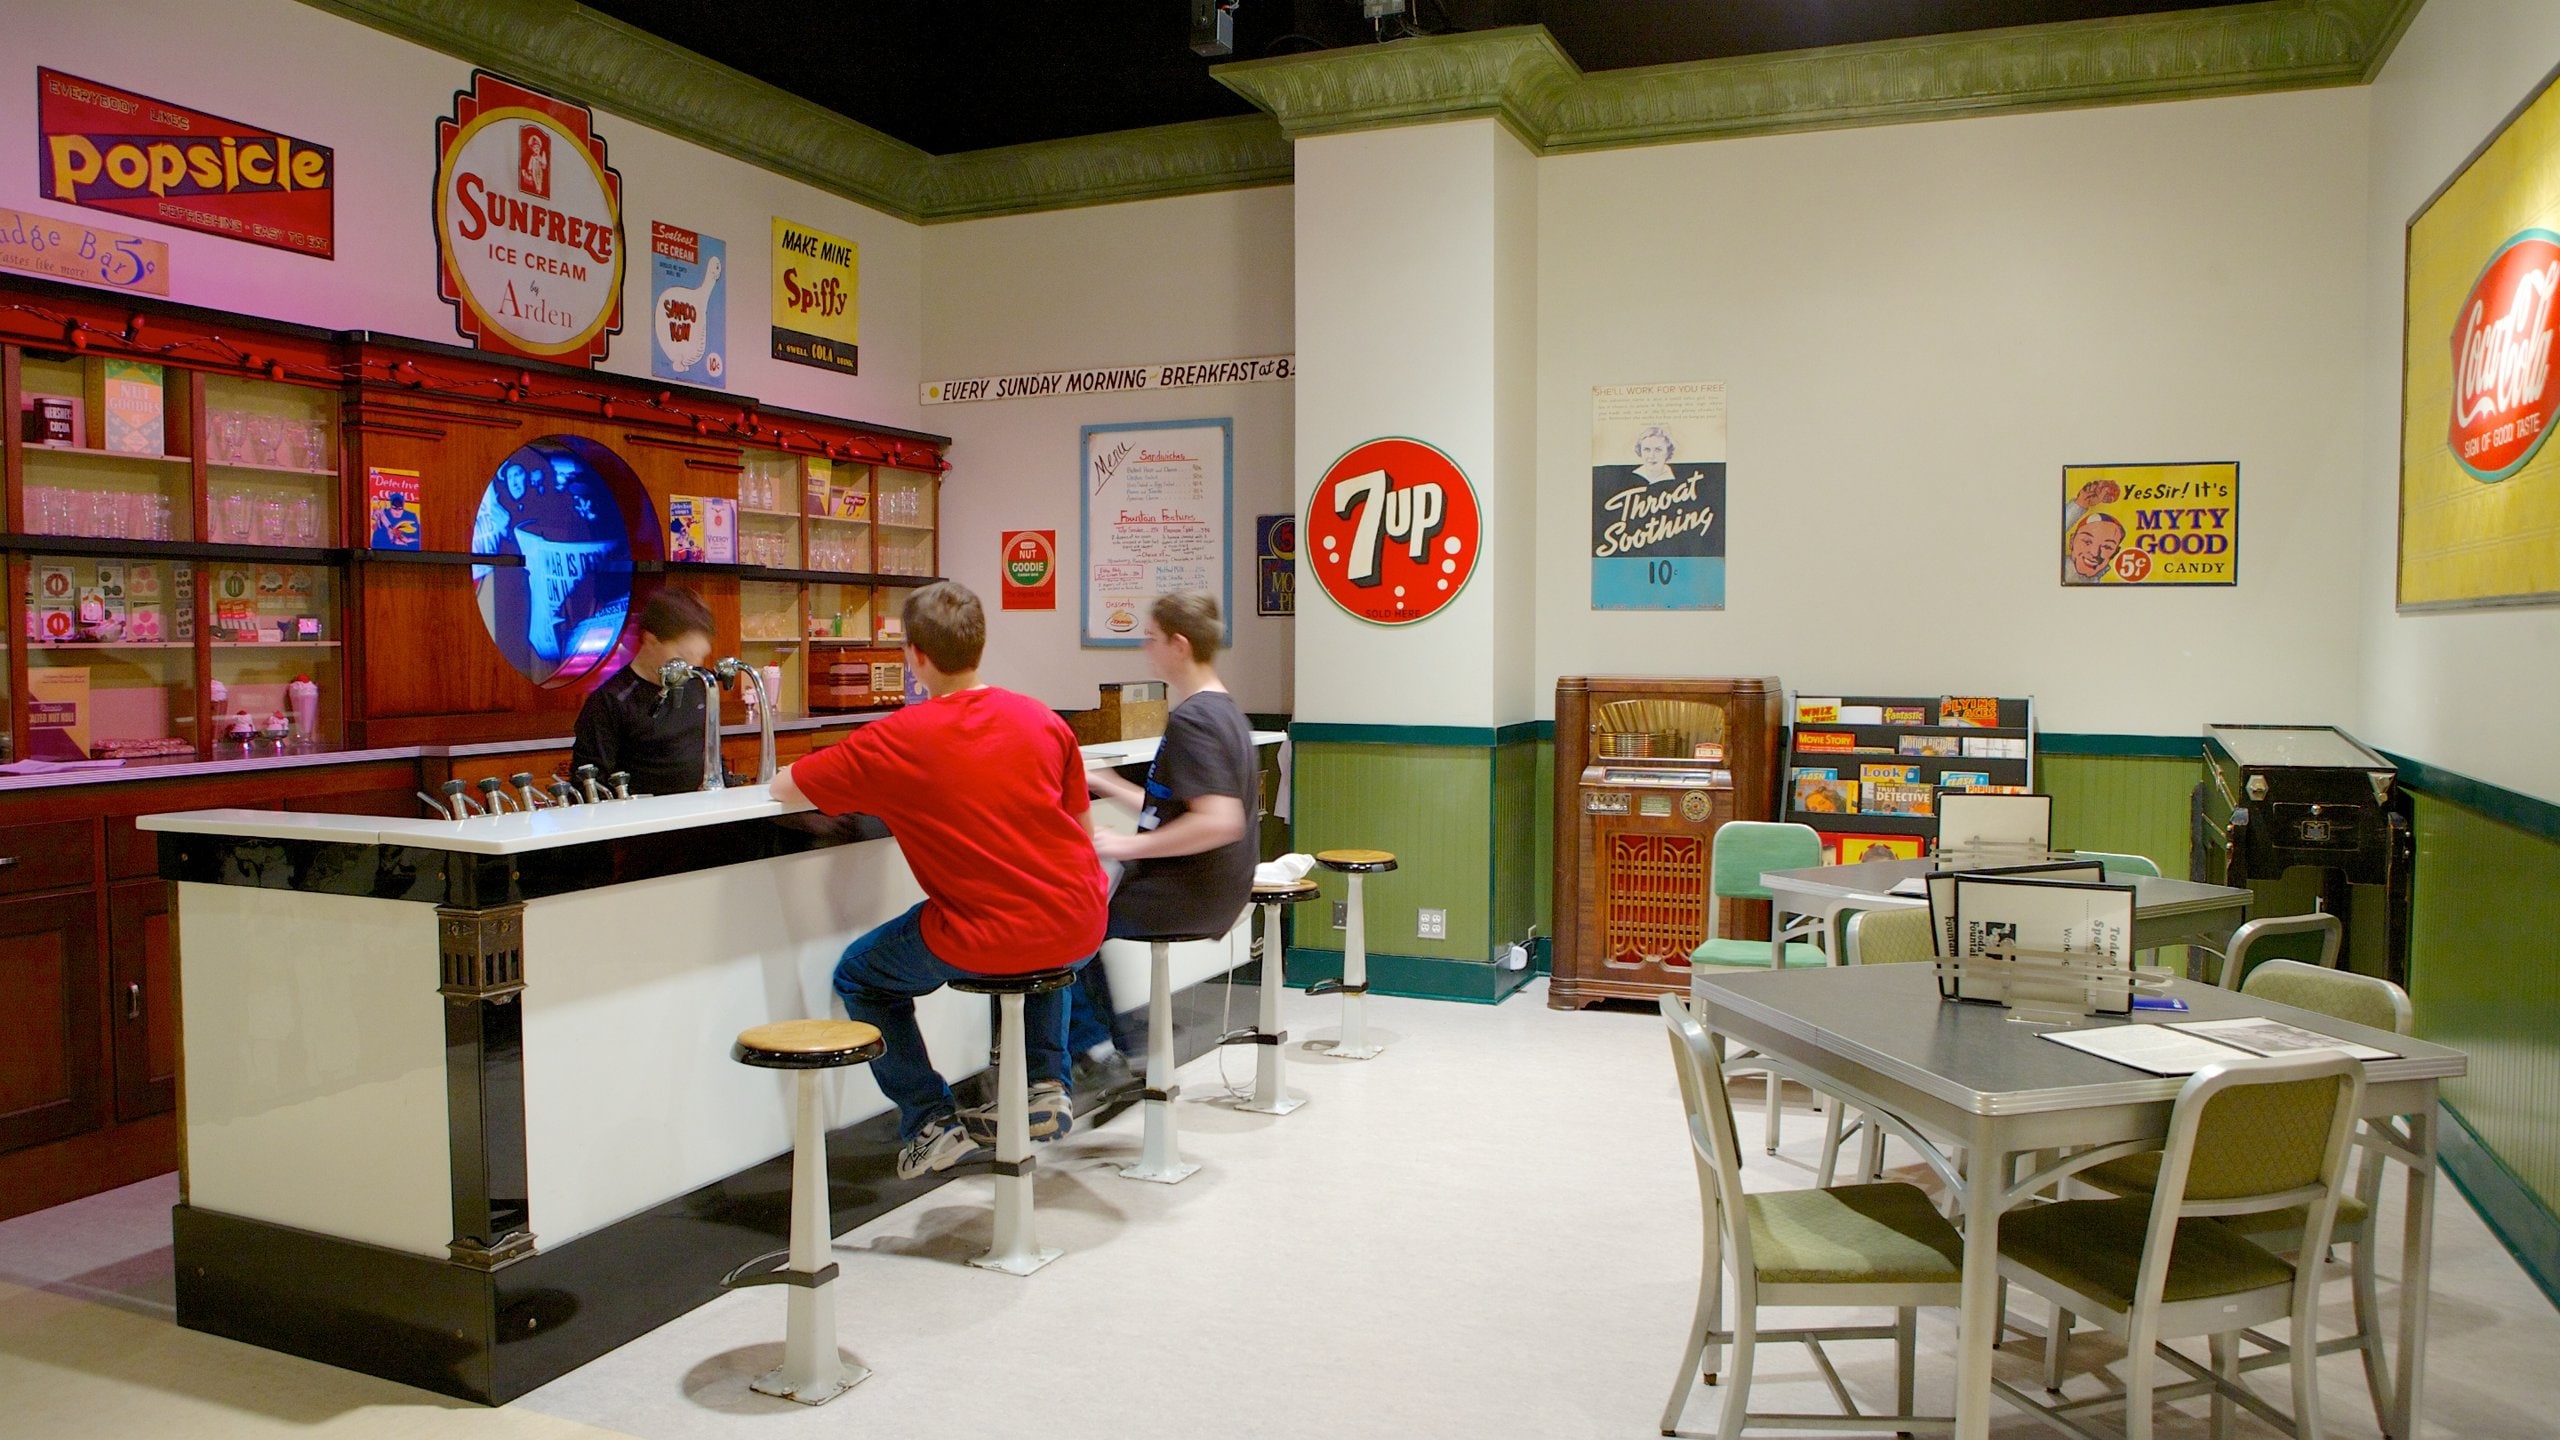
[(563, 794), (494, 794), (732, 668), (435, 804), (531, 798), (586, 777), (456, 794), (621, 782)]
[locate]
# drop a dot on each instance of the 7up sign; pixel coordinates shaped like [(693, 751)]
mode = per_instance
[(1393, 531)]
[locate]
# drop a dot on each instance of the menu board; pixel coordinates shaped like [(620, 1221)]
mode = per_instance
[(1156, 503)]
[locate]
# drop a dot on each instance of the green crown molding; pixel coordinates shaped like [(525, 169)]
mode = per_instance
[(1517, 75), (581, 55), (1520, 76), (1149, 164)]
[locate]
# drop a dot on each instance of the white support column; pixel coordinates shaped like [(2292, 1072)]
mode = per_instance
[(1016, 1250), (1160, 1157)]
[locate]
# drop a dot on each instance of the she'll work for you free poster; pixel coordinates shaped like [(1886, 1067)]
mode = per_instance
[(1657, 496)]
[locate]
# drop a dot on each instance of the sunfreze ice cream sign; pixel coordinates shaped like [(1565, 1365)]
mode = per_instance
[(528, 224)]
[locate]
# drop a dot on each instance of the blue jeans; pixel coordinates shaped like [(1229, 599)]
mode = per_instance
[(879, 979)]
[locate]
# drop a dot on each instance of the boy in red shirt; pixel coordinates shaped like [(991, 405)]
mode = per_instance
[(985, 791)]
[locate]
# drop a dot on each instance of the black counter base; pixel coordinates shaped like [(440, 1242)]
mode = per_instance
[(492, 1335)]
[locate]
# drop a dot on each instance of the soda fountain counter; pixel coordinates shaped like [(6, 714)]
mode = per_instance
[(456, 1105)]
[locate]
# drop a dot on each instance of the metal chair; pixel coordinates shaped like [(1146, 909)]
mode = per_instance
[(2120, 866), (1738, 854), (1861, 1245), (2359, 1000), (2245, 940), (2246, 1138), (1875, 937)]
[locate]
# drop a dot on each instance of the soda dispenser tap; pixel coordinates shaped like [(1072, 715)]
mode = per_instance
[(435, 805), (672, 678), (456, 796), (531, 798), (587, 788), (494, 794), (733, 669), (621, 781)]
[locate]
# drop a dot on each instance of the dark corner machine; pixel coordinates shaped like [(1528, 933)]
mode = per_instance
[(2277, 796)]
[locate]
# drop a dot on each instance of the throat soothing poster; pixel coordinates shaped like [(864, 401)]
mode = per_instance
[(1657, 496)]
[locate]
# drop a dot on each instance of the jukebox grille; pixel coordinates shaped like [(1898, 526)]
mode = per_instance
[(1653, 898)]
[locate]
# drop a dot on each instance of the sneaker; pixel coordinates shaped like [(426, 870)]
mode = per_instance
[(940, 1145), (1052, 1114), (1107, 1076)]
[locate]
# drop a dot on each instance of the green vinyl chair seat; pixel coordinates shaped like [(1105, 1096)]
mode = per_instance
[(2095, 1247), (1755, 953), (1888, 1234), (2120, 868), (2343, 994)]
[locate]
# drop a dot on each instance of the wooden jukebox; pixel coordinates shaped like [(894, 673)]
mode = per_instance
[(1646, 770)]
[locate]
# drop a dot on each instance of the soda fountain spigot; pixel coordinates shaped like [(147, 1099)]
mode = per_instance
[(455, 794), (493, 793), (587, 788), (731, 669), (531, 798), (621, 782)]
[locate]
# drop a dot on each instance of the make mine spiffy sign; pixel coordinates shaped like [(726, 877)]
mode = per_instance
[(1394, 532), (528, 224)]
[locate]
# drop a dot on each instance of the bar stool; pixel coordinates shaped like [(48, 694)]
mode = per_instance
[(1270, 1094), (813, 1371), (1016, 1249), (1354, 984), (1160, 1156)]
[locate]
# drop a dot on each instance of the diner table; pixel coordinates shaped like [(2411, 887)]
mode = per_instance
[(1966, 1075), (2165, 911)]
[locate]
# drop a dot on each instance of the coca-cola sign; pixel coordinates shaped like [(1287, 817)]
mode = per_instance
[(528, 224), (2502, 393)]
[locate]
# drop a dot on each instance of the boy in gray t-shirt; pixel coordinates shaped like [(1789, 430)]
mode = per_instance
[(1189, 869)]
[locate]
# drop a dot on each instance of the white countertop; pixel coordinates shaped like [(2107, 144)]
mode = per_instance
[(517, 833)]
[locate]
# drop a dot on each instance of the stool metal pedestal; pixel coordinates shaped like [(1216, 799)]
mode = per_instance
[(1353, 1043), (813, 1370), (1160, 1156), (1270, 1081), (1016, 1249)]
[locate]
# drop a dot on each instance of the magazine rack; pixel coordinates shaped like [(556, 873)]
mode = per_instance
[(1911, 736), (2047, 987)]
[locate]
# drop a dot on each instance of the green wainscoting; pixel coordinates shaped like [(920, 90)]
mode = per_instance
[(2485, 976), (2123, 804), (1459, 818)]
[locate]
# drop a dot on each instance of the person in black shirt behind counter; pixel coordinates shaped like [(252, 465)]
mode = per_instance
[(623, 725)]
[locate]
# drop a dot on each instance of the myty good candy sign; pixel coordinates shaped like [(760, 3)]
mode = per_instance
[(2151, 524), (815, 314), (128, 154), (1393, 531), (528, 224)]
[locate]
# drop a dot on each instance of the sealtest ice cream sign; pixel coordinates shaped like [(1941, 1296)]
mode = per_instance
[(2502, 393), (528, 224)]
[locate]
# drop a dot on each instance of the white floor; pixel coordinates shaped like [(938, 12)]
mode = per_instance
[(1489, 1230)]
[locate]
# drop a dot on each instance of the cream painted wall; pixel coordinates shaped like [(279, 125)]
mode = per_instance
[(2474, 691), (1400, 238), (1197, 278), (1920, 325), (375, 100)]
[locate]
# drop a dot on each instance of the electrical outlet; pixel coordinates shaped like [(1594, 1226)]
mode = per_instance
[(1432, 925), (1341, 914)]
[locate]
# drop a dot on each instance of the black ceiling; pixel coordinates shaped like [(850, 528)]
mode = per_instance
[(950, 75)]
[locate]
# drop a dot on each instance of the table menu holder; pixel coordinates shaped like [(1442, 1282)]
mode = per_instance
[(2047, 987)]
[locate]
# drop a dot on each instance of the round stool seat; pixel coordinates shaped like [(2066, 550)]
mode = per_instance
[(1285, 892), (1169, 939), (1356, 862), (1030, 982), (807, 1044)]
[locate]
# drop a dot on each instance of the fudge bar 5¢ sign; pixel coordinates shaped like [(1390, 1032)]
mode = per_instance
[(1394, 531), (528, 224)]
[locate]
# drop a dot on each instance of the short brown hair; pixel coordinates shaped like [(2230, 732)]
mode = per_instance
[(946, 625), (1193, 615), (674, 613)]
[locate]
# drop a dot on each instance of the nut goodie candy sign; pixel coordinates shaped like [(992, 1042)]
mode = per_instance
[(1393, 531), (2151, 524), (528, 224), (1030, 569)]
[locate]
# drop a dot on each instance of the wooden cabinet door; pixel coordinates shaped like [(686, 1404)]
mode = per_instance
[(51, 1062), (142, 994)]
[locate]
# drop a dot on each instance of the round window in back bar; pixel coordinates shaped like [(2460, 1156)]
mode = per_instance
[(564, 506)]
